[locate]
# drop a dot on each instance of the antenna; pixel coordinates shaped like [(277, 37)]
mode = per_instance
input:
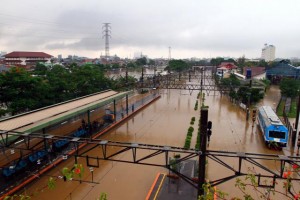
[(106, 34)]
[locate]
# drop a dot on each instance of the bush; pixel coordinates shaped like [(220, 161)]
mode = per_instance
[(196, 105), (191, 129)]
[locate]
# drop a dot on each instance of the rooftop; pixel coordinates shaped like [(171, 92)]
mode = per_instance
[(26, 54)]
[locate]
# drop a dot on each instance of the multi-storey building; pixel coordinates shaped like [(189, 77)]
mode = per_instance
[(22, 58), (268, 53)]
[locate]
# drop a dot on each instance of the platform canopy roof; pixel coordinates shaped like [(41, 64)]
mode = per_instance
[(284, 69)]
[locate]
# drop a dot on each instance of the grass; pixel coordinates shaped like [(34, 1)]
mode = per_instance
[(280, 108), (293, 109)]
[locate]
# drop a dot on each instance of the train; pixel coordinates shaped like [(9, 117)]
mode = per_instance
[(274, 132)]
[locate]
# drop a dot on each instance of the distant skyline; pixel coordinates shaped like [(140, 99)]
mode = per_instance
[(192, 28)]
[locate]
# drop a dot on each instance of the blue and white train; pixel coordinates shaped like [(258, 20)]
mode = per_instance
[(274, 132)]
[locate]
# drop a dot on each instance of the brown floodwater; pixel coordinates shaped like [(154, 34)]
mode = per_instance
[(164, 122)]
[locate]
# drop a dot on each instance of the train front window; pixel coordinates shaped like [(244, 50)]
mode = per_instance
[(277, 134)]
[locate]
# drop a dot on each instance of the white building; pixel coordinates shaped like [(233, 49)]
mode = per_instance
[(268, 53)]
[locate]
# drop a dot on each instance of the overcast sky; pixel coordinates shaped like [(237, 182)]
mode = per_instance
[(192, 28)]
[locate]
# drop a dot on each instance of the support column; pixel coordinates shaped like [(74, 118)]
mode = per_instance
[(89, 117), (115, 112), (127, 104), (45, 142), (297, 122), (202, 156)]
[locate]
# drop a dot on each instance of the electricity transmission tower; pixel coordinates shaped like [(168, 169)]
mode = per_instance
[(106, 34)]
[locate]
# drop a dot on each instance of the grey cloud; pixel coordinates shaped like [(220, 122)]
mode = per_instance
[(196, 25)]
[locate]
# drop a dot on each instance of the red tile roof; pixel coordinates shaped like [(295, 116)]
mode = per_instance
[(22, 54), (228, 65)]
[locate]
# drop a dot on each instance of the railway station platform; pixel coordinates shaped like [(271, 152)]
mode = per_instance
[(170, 187), (19, 157)]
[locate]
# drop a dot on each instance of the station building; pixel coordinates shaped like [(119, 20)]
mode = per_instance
[(282, 70)]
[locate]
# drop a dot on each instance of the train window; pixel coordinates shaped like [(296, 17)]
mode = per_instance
[(277, 134)]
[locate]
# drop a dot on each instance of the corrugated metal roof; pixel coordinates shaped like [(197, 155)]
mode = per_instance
[(36, 118)]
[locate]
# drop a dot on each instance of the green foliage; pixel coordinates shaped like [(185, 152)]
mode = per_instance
[(24, 91), (141, 61), (198, 95), (246, 94), (132, 65), (197, 145), (19, 197), (51, 183), (122, 84), (216, 61), (290, 87), (77, 170), (280, 108), (267, 82), (192, 120), (196, 105), (231, 81), (20, 91), (103, 196), (188, 139), (173, 162), (178, 65), (210, 192), (191, 129), (293, 109)]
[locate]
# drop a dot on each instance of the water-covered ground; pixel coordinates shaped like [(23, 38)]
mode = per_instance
[(165, 122)]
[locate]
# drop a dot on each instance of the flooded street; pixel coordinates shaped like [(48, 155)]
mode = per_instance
[(164, 122)]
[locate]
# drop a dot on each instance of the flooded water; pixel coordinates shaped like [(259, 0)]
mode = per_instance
[(164, 122)]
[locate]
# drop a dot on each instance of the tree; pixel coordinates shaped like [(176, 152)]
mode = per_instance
[(241, 61), (230, 82), (141, 61), (131, 65), (289, 87), (88, 79), (178, 65), (20, 91), (251, 95), (151, 62), (263, 63), (115, 66), (40, 69), (60, 85), (216, 61)]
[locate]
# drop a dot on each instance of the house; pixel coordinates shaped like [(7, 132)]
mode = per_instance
[(225, 68), (228, 65), (26, 59), (256, 72)]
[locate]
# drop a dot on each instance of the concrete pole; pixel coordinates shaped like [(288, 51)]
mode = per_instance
[(297, 123), (202, 156)]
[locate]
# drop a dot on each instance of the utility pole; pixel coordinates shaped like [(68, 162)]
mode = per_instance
[(297, 122), (106, 34), (203, 143)]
